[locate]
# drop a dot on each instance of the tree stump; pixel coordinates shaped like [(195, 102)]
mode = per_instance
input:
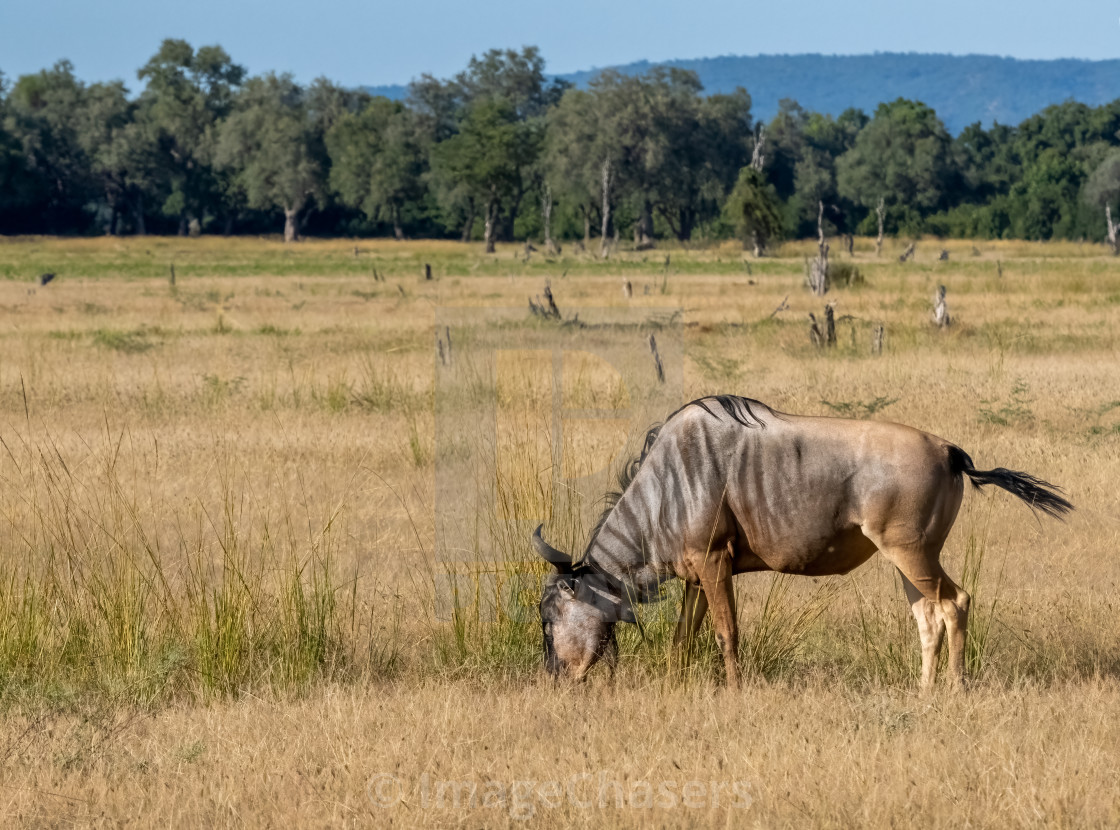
[(880, 212), (656, 359), (818, 268), (815, 336), (940, 309), (877, 339)]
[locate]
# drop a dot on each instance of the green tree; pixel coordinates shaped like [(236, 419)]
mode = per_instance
[(574, 152), (511, 79), (784, 146), (18, 185), (376, 162), (488, 158), (904, 155), (821, 141), (1103, 185), (754, 210), (188, 93), (43, 119), (705, 145), (1044, 201), (121, 155), (275, 150)]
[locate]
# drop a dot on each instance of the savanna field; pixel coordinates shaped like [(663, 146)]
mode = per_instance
[(227, 501)]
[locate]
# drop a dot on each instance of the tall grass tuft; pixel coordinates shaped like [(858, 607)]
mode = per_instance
[(771, 644), (982, 642), (106, 595)]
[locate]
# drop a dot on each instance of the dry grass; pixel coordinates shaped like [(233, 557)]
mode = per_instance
[(218, 526)]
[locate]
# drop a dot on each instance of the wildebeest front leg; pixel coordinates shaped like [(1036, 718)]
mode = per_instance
[(694, 605), (714, 569)]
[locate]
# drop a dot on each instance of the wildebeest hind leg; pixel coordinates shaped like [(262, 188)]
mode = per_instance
[(931, 630), (694, 605), (922, 572)]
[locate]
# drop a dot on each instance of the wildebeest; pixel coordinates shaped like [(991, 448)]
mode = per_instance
[(728, 485)]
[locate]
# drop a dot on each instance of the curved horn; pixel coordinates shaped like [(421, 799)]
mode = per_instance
[(560, 560)]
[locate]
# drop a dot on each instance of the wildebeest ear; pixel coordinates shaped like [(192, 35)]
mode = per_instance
[(557, 558)]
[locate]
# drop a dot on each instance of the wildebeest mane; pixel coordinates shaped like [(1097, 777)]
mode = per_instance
[(738, 408)]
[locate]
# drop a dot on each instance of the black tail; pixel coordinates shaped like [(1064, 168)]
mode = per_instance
[(1038, 494)]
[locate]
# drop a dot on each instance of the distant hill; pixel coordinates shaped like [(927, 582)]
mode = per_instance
[(961, 88)]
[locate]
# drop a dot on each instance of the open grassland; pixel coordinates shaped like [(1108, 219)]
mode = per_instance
[(220, 516)]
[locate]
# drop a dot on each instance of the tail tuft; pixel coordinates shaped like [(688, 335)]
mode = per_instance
[(1039, 495)]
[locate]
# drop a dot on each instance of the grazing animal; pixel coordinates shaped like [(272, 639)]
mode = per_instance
[(728, 485), (45, 278)]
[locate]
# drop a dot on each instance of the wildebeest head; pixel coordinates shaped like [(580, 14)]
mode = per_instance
[(579, 610)]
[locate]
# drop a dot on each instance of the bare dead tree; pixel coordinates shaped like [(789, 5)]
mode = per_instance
[(491, 225), (443, 346), (627, 288), (545, 308), (908, 253), (171, 278), (427, 270), (782, 306), (850, 244), (553, 310), (546, 218), (999, 269), (538, 308), (818, 268), (943, 256), (829, 326), (880, 212), (1112, 227), (940, 308), (605, 247), (758, 158), (877, 339)]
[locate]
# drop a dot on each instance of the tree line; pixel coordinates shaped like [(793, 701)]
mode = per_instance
[(502, 152)]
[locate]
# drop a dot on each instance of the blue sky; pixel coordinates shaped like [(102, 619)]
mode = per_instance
[(379, 42)]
